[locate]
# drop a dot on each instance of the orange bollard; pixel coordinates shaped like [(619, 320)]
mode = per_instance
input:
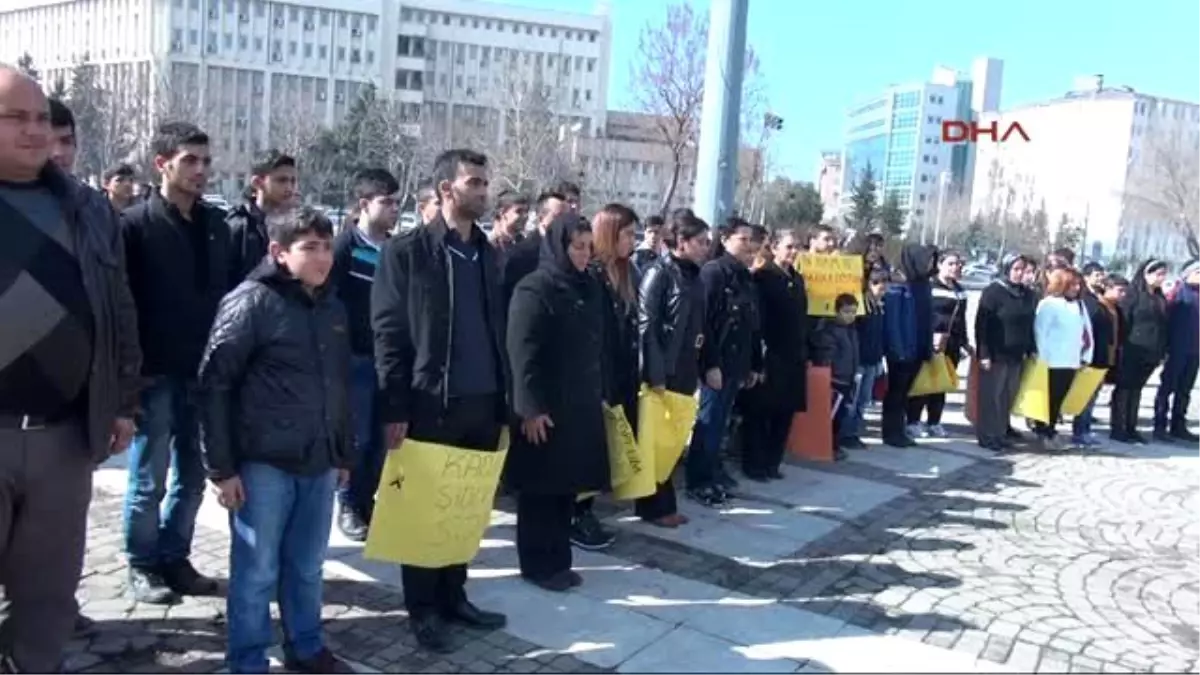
[(811, 435)]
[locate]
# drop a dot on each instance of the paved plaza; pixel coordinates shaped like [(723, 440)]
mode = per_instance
[(942, 558)]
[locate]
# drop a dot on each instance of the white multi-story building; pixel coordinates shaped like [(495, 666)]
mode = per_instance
[(1094, 158), (898, 133), (250, 64)]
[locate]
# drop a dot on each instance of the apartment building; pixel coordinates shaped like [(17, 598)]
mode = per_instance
[(897, 133), (244, 67), (1095, 156)]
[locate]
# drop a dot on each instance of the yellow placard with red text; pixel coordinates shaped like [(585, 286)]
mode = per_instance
[(828, 275)]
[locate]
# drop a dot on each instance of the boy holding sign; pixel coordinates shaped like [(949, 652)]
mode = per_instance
[(275, 429)]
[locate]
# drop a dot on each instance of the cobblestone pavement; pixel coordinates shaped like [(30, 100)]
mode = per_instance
[(1037, 563)]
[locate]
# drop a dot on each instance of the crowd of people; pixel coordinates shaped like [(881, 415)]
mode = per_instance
[(279, 361)]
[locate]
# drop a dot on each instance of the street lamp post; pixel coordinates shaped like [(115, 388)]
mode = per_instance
[(943, 181)]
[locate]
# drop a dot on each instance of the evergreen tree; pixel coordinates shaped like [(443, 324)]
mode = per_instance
[(891, 215), (26, 66), (864, 200), (793, 204), (1069, 234)]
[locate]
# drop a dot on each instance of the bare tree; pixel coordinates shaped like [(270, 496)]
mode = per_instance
[(604, 178), (668, 75), (537, 147), (955, 208), (1164, 184), (105, 125)]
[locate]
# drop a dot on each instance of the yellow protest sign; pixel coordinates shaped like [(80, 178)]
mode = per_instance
[(826, 276), (1033, 397), (631, 464), (937, 376), (1083, 387), (664, 424), (434, 503)]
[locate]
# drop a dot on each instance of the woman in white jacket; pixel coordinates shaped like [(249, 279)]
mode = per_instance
[(1063, 333)]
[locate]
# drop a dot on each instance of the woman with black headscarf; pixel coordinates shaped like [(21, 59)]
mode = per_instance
[(908, 324), (555, 345), (1144, 315)]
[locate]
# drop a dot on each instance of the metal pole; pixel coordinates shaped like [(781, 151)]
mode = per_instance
[(717, 154), (937, 223)]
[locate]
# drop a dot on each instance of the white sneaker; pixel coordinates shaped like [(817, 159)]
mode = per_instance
[(938, 431), (917, 430)]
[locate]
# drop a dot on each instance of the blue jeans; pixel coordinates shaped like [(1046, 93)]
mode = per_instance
[(851, 425), (1081, 426), (278, 546), (158, 533), (712, 418), (359, 495)]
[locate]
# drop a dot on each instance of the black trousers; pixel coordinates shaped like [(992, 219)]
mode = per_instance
[(933, 404), (467, 422), (1127, 397), (900, 377), (544, 534), (1175, 392), (764, 435), (998, 387), (658, 505), (1060, 384)]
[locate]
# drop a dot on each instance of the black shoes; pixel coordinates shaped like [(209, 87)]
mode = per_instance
[(588, 534), (183, 579), (557, 583), (899, 442), (712, 497), (149, 586), (852, 443), (1182, 434), (324, 662), (467, 614), (351, 525), (430, 632)]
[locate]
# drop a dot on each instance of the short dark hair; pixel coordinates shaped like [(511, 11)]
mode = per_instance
[(1092, 268), (683, 228), (759, 233), (509, 199), (568, 189), (732, 225), (169, 137), (269, 161), (879, 275), (828, 229), (1115, 281), (61, 116), (1065, 253), (287, 230), (118, 171), (546, 196), (445, 166), (426, 191), (654, 222), (372, 183), (845, 300)]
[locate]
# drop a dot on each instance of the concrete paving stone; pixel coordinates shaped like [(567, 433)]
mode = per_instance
[(912, 462), (824, 492), (684, 650)]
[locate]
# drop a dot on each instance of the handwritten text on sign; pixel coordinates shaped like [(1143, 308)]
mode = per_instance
[(826, 276), (434, 504)]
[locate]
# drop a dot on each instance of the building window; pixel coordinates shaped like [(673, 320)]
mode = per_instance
[(371, 24), (591, 65), (406, 14), (308, 50), (324, 18), (258, 44), (323, 52), (193, 37), (355, 56), (445, 19), (293, 48), (228, 39), (475, 23), (341, 54), (370, 56), (541, 31), (591, 37), (474, 52), (294, 14), (341, 20)]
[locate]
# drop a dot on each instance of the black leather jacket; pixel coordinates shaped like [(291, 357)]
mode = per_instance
[(671, 317), (248, 241), (274, 377)]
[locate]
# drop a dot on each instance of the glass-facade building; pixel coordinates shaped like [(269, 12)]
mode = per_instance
[(898, 135)]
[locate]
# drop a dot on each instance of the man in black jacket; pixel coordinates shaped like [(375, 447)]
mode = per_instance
[(355, 259), (273, 189), (731, 359), (178, 255), (522, 259), (69, 374), (277, 439), (438, 317)]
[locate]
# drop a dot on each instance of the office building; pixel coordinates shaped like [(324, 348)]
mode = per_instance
[(242, 67), (897, 133), (1109, 159)]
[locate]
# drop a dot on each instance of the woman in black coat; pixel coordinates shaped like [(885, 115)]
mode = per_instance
[(671, 331), (555, 345), (1144, 346), (783, 305)]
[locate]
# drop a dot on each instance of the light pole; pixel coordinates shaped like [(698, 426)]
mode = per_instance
[(943, 181), (717, 155)]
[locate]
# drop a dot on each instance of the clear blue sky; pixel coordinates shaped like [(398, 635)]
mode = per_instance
[(820, 56)]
